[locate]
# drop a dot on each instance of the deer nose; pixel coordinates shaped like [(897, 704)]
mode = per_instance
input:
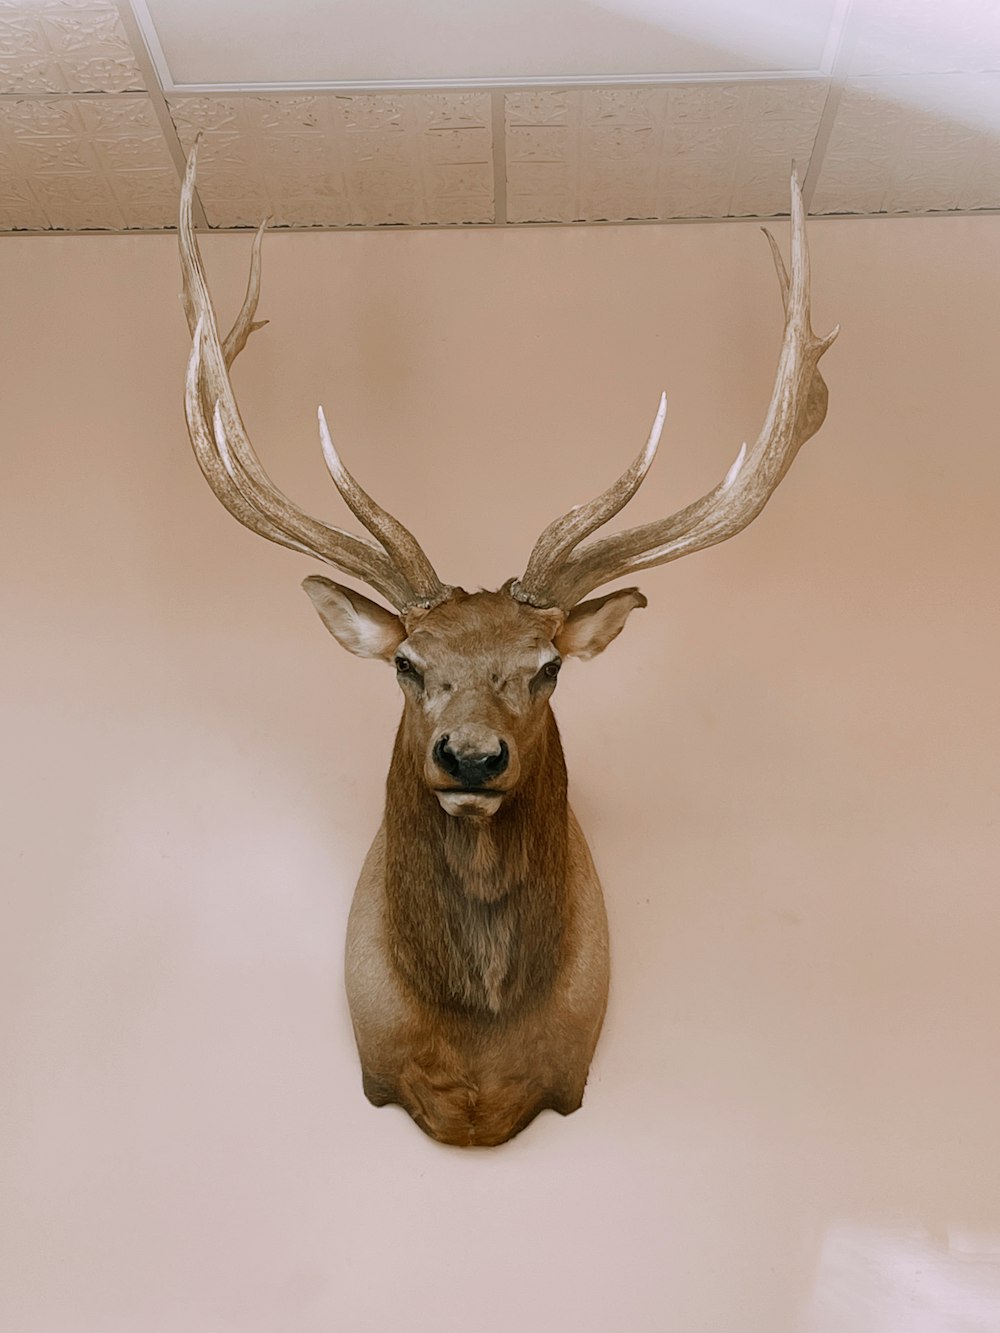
[(470, 767)]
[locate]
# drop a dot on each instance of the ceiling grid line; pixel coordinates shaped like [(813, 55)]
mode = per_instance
[(840, 67), (158, 104), (498, 143)]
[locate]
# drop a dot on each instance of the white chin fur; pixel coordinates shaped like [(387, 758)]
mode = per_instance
[(465, 805)]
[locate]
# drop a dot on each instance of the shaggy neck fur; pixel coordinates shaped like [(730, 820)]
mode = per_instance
[(477, 907)]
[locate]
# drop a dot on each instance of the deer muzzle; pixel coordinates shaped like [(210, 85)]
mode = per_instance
[(471, 770)]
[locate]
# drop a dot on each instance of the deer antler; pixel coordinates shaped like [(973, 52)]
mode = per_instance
[(394, 564), (558, 574)]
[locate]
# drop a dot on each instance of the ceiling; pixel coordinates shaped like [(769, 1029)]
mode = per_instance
[(334, 113)]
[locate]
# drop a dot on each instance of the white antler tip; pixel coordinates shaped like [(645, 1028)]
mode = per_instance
[(220, 439), (652, 444), (734, 471), (333, 462)]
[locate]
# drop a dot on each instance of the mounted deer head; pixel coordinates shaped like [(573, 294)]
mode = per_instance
[(477, 966)]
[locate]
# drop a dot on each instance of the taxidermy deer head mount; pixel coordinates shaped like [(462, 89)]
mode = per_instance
[(477, 965)]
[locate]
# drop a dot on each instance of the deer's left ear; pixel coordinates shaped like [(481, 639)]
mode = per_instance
[(357, 623), (591, 626)]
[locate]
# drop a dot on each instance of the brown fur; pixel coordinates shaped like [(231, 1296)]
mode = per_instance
[(476, 908)]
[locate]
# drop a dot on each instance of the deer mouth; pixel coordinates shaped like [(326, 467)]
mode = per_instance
[(469, 802)]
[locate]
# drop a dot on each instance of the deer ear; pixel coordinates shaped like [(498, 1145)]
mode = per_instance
[(591, 626), (358, 624)]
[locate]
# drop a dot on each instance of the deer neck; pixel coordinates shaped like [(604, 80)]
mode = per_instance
[(477, 907)]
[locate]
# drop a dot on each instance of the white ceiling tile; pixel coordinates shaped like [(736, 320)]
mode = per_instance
[(241, 44), (927, 37)]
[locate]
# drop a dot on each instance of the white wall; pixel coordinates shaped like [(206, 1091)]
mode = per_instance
[(787, 767)]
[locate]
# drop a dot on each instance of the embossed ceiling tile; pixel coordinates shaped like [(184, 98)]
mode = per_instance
[(793, 99), (325, 209), (683, 150), (617, 206), (467, 145), (58, 48), (50, 6), (116, 115), (81, 156), (300, 152), (539, 207), (385, 159), (468, 179), (56, 156), (539, 143), (383, 149), (19, 210), (542, 178), (191, 114), (446, 111), (924, 143), (223, 185), (154, 216), (615, 142), (35, 74), (84, 202), (131, 153), (297, 115), (706, 201), (148, 198), (232, 212), (706, 101), (539, 108), (372, 113), (26, 117), (91, 216), (21, 34), (707, 145), (464, 209), (623, 106)]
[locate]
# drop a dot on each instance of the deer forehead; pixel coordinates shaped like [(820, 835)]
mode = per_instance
[(484, 633)]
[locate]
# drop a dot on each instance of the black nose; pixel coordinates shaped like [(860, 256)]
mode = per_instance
[(470, 769)]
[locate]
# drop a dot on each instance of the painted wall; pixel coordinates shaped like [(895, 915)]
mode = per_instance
[(787, 768)]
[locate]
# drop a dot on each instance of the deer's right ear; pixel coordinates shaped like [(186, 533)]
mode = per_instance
[(358, 624)]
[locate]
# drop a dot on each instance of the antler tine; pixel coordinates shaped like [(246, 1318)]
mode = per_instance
[(796, 411), (401, 544), (227, 457), (564, 533)]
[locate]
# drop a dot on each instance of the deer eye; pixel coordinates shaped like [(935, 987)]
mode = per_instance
[(546, 674), (405, 670)]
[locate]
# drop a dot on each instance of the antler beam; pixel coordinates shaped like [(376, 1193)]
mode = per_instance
[(560, 572), (394, 564)]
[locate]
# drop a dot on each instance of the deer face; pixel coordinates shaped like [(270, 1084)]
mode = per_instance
[(477, 673)]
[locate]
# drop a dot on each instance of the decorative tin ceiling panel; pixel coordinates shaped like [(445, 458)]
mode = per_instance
[(82, 163), (330, 160), (914, 144), (680, 151), (64, 46)]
